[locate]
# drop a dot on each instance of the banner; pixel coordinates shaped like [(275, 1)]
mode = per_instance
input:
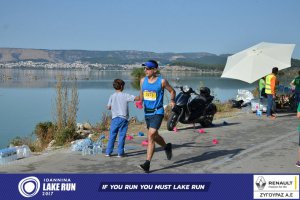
[(149, 186)]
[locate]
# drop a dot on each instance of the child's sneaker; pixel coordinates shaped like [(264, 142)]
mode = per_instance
[(107, 155), (298, 163)]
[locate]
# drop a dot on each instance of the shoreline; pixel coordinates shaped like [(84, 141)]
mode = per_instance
[(180, 69)]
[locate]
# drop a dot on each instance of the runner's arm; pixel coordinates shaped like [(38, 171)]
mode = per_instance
[(166, 85)]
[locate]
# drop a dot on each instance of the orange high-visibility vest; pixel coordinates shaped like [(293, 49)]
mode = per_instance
[(268, 84)]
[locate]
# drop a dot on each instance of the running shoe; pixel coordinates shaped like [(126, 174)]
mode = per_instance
[(145, 167), (168, 150)]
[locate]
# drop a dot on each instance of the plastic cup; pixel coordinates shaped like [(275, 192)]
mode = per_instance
[(139, 104), (129, 137), (201, 131), (145, 143), (215, 141), (141, 134)]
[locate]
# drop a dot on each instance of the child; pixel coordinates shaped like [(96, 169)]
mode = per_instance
[(118, 104)]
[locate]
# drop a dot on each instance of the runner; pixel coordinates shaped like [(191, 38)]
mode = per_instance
[(152, 93)]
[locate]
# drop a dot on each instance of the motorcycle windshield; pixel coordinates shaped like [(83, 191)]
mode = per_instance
[(182, 99)]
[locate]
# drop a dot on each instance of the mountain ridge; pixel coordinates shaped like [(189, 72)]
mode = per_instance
[(106, 57)]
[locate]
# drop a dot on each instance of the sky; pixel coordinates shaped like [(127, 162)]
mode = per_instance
[(213, 26)]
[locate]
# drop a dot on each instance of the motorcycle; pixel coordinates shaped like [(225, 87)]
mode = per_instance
[(199, 109)]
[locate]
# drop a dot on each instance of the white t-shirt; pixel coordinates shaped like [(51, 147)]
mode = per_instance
[(119, 104)]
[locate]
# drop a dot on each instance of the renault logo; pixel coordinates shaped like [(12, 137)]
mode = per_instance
[(260, 183)]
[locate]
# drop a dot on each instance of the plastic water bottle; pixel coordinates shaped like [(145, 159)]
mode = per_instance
[(26, 151), (97, 149), (23, 151), (84, 150), (1, 158), (90, 150), (258, 113), (8, 155)]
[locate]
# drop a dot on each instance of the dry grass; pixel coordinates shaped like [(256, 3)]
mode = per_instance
[(231, 113), (225, 110), (66, 111)]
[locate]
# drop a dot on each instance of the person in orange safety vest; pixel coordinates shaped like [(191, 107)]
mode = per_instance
[(270, 89)]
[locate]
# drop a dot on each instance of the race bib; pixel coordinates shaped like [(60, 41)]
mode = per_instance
[(149, 95)]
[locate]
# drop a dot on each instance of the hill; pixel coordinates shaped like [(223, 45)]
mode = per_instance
[(194, 60), (104, 57)]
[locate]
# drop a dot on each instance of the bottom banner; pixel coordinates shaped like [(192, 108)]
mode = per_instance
[(148, 186)]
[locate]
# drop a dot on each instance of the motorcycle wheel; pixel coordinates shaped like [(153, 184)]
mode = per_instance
[(172, 121), (207, 122)]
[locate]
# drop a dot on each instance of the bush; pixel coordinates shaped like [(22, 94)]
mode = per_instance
[(138, 73), (66, 104), (255, 92), (45, 132), (65, 135), (19, 141), (223, 107), (65, 112), (105, 122)]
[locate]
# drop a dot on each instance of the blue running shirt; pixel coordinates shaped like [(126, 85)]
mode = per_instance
[(153, 96)]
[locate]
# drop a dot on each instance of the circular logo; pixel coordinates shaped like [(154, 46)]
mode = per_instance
[(30, 186)]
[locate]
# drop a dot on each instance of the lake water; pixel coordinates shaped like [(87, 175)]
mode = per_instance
[(27, 96)]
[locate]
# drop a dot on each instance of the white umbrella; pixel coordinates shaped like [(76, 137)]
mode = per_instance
[(257, 61)]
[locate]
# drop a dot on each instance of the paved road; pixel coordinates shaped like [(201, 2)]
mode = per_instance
[(247, 144)]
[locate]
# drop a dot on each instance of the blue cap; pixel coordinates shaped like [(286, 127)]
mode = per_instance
[(150, 64)]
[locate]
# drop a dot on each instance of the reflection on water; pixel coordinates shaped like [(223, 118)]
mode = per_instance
[(27, 96)]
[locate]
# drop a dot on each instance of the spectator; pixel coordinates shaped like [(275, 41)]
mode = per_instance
[(271, 82), (296, 85), (118, 104)]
